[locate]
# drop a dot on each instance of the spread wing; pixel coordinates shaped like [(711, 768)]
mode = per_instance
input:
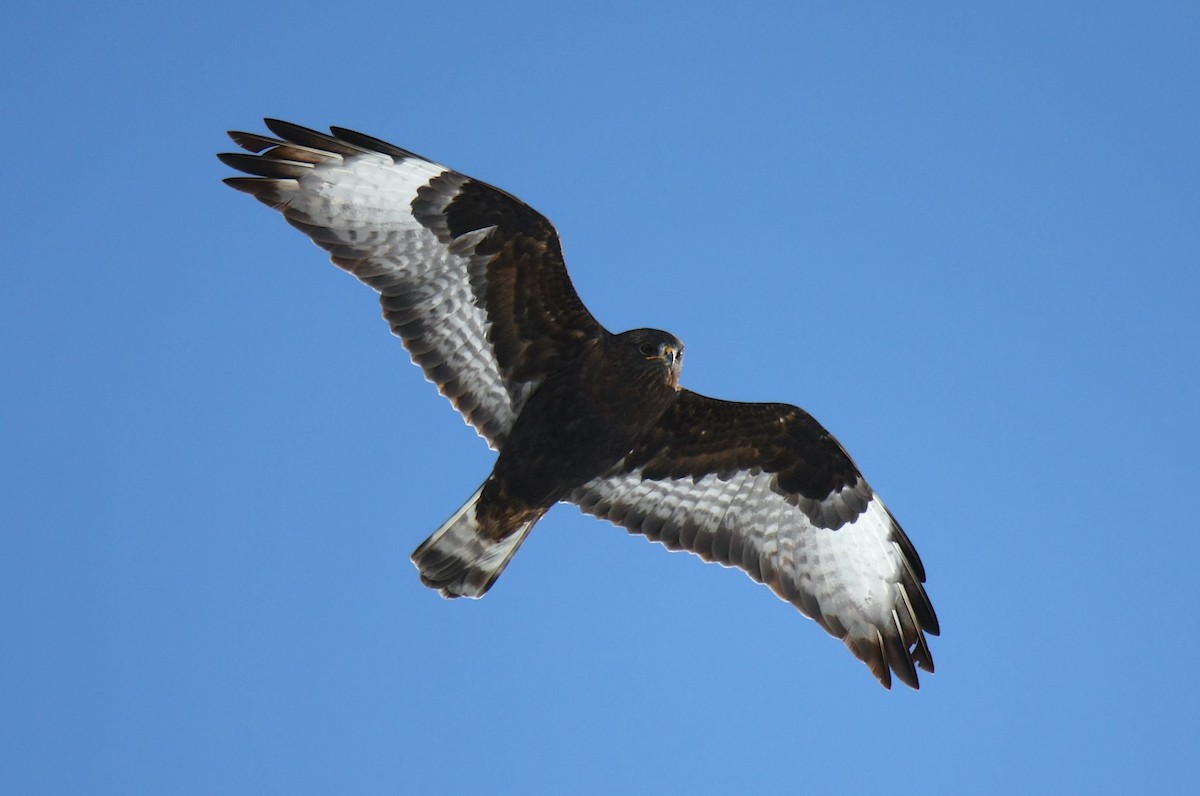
[(471, 278), (765, 488)]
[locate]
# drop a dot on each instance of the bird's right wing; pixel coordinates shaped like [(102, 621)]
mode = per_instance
[(471, 279)]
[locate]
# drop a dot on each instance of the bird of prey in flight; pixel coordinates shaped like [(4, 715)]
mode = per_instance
[(473, 282)]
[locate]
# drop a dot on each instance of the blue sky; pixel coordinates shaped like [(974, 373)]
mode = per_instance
[(965, 237)]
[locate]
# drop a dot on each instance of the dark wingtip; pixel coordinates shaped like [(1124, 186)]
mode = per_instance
[(263, 189), (922, 656), (306, 136), (287, 130), (239, 161), (371, 142), (265, 166), (247, 184), (898, 658), (252, 142)]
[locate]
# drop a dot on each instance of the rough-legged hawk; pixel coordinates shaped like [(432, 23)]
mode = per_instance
[(473, 282)]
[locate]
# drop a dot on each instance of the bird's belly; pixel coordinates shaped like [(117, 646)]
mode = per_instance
[(545, 462)]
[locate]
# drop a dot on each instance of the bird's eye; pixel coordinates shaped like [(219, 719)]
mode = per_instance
[(646, 349)]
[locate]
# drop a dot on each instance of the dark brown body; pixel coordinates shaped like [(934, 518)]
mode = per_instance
[(581, 421)]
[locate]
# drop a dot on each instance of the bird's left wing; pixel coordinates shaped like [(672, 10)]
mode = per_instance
[(765, 488), (470, 277)]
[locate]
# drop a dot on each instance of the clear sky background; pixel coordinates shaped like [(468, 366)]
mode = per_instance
[(964, 236)]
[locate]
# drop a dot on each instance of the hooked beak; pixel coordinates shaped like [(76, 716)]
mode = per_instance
[(674, 358)]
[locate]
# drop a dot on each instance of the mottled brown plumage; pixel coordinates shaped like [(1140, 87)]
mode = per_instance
[(473, 282)]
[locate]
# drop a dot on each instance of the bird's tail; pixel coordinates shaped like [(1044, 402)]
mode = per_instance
[(460, 559)]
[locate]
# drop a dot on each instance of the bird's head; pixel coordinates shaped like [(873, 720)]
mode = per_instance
[(656, 349)]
